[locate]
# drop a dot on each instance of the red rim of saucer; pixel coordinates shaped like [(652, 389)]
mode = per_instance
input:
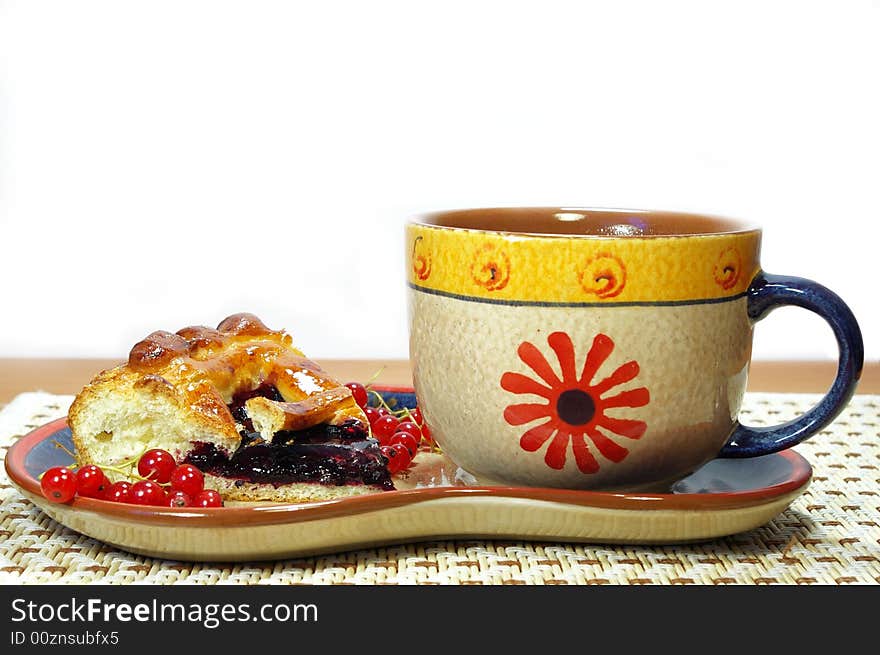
[(800, 475)]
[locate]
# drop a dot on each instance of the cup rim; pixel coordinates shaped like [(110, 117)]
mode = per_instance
[(642, 223)]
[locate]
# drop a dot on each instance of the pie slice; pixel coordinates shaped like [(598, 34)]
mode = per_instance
[(261, 420)]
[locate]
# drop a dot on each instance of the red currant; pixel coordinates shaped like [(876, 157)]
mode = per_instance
[(208, 498), (359, 392), (157, 465), (406, 440), (416, 415), (372, 415), (91, 481), (385, 427), (119, 492), (412, 428), (188, 479), (398, 458), (179, 499), (426, 435), (58, 484), (382, 411), (147, 492)]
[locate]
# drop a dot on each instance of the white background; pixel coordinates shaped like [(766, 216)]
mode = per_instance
[(169, 163)]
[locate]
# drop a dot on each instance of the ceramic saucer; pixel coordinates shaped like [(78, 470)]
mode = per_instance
[(432, 501)]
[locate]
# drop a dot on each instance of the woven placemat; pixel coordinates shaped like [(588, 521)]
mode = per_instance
[(829, 535)]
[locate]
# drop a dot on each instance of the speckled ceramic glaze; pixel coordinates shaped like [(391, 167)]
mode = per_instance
[(594, 348)]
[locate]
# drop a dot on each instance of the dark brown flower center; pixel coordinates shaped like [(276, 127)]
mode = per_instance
[(575, 407)]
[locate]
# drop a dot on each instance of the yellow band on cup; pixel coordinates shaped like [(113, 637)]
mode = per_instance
[(580, 270)]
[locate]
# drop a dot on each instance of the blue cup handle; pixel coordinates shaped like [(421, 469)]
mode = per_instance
[(766, 293)]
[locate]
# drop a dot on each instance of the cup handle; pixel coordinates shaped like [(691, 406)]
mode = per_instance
[(766, 293)]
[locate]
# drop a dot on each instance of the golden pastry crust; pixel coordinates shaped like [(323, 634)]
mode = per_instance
[(175, 389)]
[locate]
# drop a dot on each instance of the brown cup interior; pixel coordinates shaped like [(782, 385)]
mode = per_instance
[(568, 221)]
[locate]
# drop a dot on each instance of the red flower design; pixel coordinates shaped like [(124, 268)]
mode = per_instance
[(575, 408)]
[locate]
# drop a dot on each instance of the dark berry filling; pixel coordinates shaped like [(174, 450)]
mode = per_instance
[(351, 430), (333, 462), (326, 454), (238, 410)]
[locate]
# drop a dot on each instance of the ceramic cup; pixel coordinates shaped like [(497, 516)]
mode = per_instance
[(598, 349)]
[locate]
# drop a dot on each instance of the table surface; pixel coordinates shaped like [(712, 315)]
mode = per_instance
[(67, 376)]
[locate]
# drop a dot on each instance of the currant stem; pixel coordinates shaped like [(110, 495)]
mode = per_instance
[(67, 450), (381, 400), (373, 378), (399, 414)]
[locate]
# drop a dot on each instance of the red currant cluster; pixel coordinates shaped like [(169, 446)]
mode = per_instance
[(162, 483), (400, 433)]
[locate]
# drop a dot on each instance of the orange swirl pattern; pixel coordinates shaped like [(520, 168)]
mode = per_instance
[(603, 276), (491, 268), (531, 268), (728, 268), (421, 259)]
